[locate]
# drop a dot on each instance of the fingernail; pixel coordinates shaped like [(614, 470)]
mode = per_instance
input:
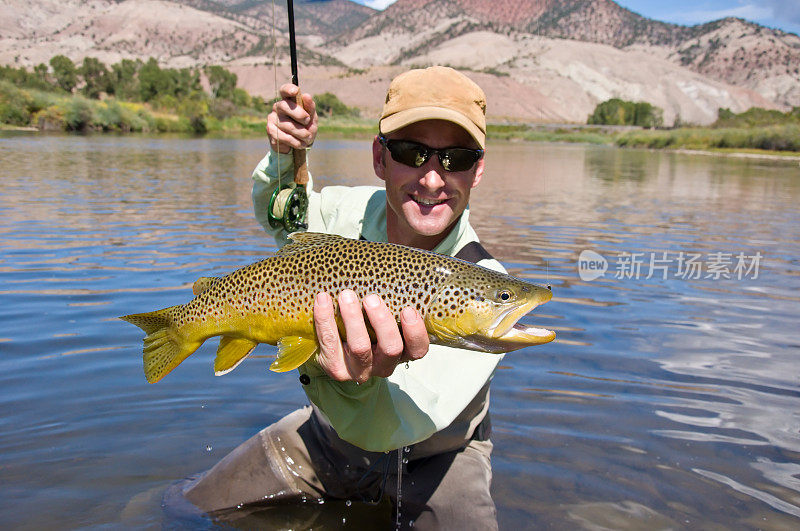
[(372, 301), (348, 296), (322, 298), (409, 315)]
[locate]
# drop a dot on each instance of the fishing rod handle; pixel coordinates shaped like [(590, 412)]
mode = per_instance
[(299, 155)]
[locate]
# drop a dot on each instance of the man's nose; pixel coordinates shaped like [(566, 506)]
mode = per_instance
[(432, 179)]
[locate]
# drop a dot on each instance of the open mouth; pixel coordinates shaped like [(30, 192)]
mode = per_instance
[(528, 335), (509, 332), (427, 202)]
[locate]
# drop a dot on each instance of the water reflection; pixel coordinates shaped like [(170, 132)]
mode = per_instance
[(665, 402)]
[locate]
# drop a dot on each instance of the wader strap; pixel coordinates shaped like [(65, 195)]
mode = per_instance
[(483, 430), (473, 252)]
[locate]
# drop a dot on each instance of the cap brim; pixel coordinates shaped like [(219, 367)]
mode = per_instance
[(401, 119)]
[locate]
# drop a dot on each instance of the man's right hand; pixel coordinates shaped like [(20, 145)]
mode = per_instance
[(290, 126)]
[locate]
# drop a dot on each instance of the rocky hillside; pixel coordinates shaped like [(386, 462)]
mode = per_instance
[(550, 60), (731, 50), (316, 19)]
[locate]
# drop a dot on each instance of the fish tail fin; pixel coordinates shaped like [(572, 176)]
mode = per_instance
[(153, 321), (163, 348)]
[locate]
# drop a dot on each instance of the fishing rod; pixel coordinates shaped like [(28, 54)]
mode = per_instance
[(288, 205)]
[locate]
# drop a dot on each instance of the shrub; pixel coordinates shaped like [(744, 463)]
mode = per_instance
[(50, 119), (79, 114), (14, 105), (619, 112), (329, 105)]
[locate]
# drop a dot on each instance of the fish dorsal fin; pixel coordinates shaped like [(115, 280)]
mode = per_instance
[(293, 351), (202, 284), (302, 241), (231, 352)]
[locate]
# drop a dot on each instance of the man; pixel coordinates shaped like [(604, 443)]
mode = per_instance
[(431, 412)]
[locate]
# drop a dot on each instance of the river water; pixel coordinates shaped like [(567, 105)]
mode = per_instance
[(670, 399)]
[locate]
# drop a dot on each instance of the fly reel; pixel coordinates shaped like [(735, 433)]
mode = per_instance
[(288, 208)]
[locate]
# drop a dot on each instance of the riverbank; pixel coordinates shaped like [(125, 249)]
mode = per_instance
[(79, 114)]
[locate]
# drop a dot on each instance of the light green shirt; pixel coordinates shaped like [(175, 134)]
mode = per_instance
[(439, 399)]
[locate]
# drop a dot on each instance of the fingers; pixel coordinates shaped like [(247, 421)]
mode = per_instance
[(389, 347), (415, 335), (331, 354), (289, 125), (358, 350), (358, 358)]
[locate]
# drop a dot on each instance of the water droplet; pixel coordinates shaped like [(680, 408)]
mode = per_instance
[(411, 523), (344, 520), (407, 449), (321, 501), (209, 448), (348, 503), (405, 461), (202, 406)]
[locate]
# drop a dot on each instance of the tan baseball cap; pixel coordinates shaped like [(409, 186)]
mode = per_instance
[(435, 93)]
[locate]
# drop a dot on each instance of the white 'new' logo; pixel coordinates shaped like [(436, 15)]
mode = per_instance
[(591, 265)]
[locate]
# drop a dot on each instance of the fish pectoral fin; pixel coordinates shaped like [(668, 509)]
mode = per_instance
[(202, 284), (293, 351), (230, 353)]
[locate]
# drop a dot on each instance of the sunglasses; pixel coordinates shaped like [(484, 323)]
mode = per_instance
[(415, 154)]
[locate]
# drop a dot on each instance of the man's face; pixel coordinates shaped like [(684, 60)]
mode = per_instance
[(425, 202)]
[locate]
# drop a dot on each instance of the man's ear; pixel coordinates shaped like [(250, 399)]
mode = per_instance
[(378, 160), (478, 173)]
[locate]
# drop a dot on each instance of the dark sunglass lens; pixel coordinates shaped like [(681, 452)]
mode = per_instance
[(456, 159), (409, 153)]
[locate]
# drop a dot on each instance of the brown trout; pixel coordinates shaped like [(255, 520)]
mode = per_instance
[(464, 305)]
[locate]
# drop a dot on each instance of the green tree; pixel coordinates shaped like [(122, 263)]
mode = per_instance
[(65, 72), (619, 112), (329, 105), (156, 83), (95, 77), (153, 81), (259, 104), (221, 81), (647, 115), (185, 82), (124, 83), (241, 98), (40, 71)]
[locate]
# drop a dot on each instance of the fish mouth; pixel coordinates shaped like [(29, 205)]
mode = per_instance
[(527, 336), (507, 333)]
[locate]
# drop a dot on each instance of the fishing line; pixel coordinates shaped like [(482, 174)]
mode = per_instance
[(544, 176), (546, 260)]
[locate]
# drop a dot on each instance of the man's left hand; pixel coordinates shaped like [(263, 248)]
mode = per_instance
[(357, 358)]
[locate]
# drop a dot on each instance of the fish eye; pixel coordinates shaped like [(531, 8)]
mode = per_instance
[(504, 295)]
